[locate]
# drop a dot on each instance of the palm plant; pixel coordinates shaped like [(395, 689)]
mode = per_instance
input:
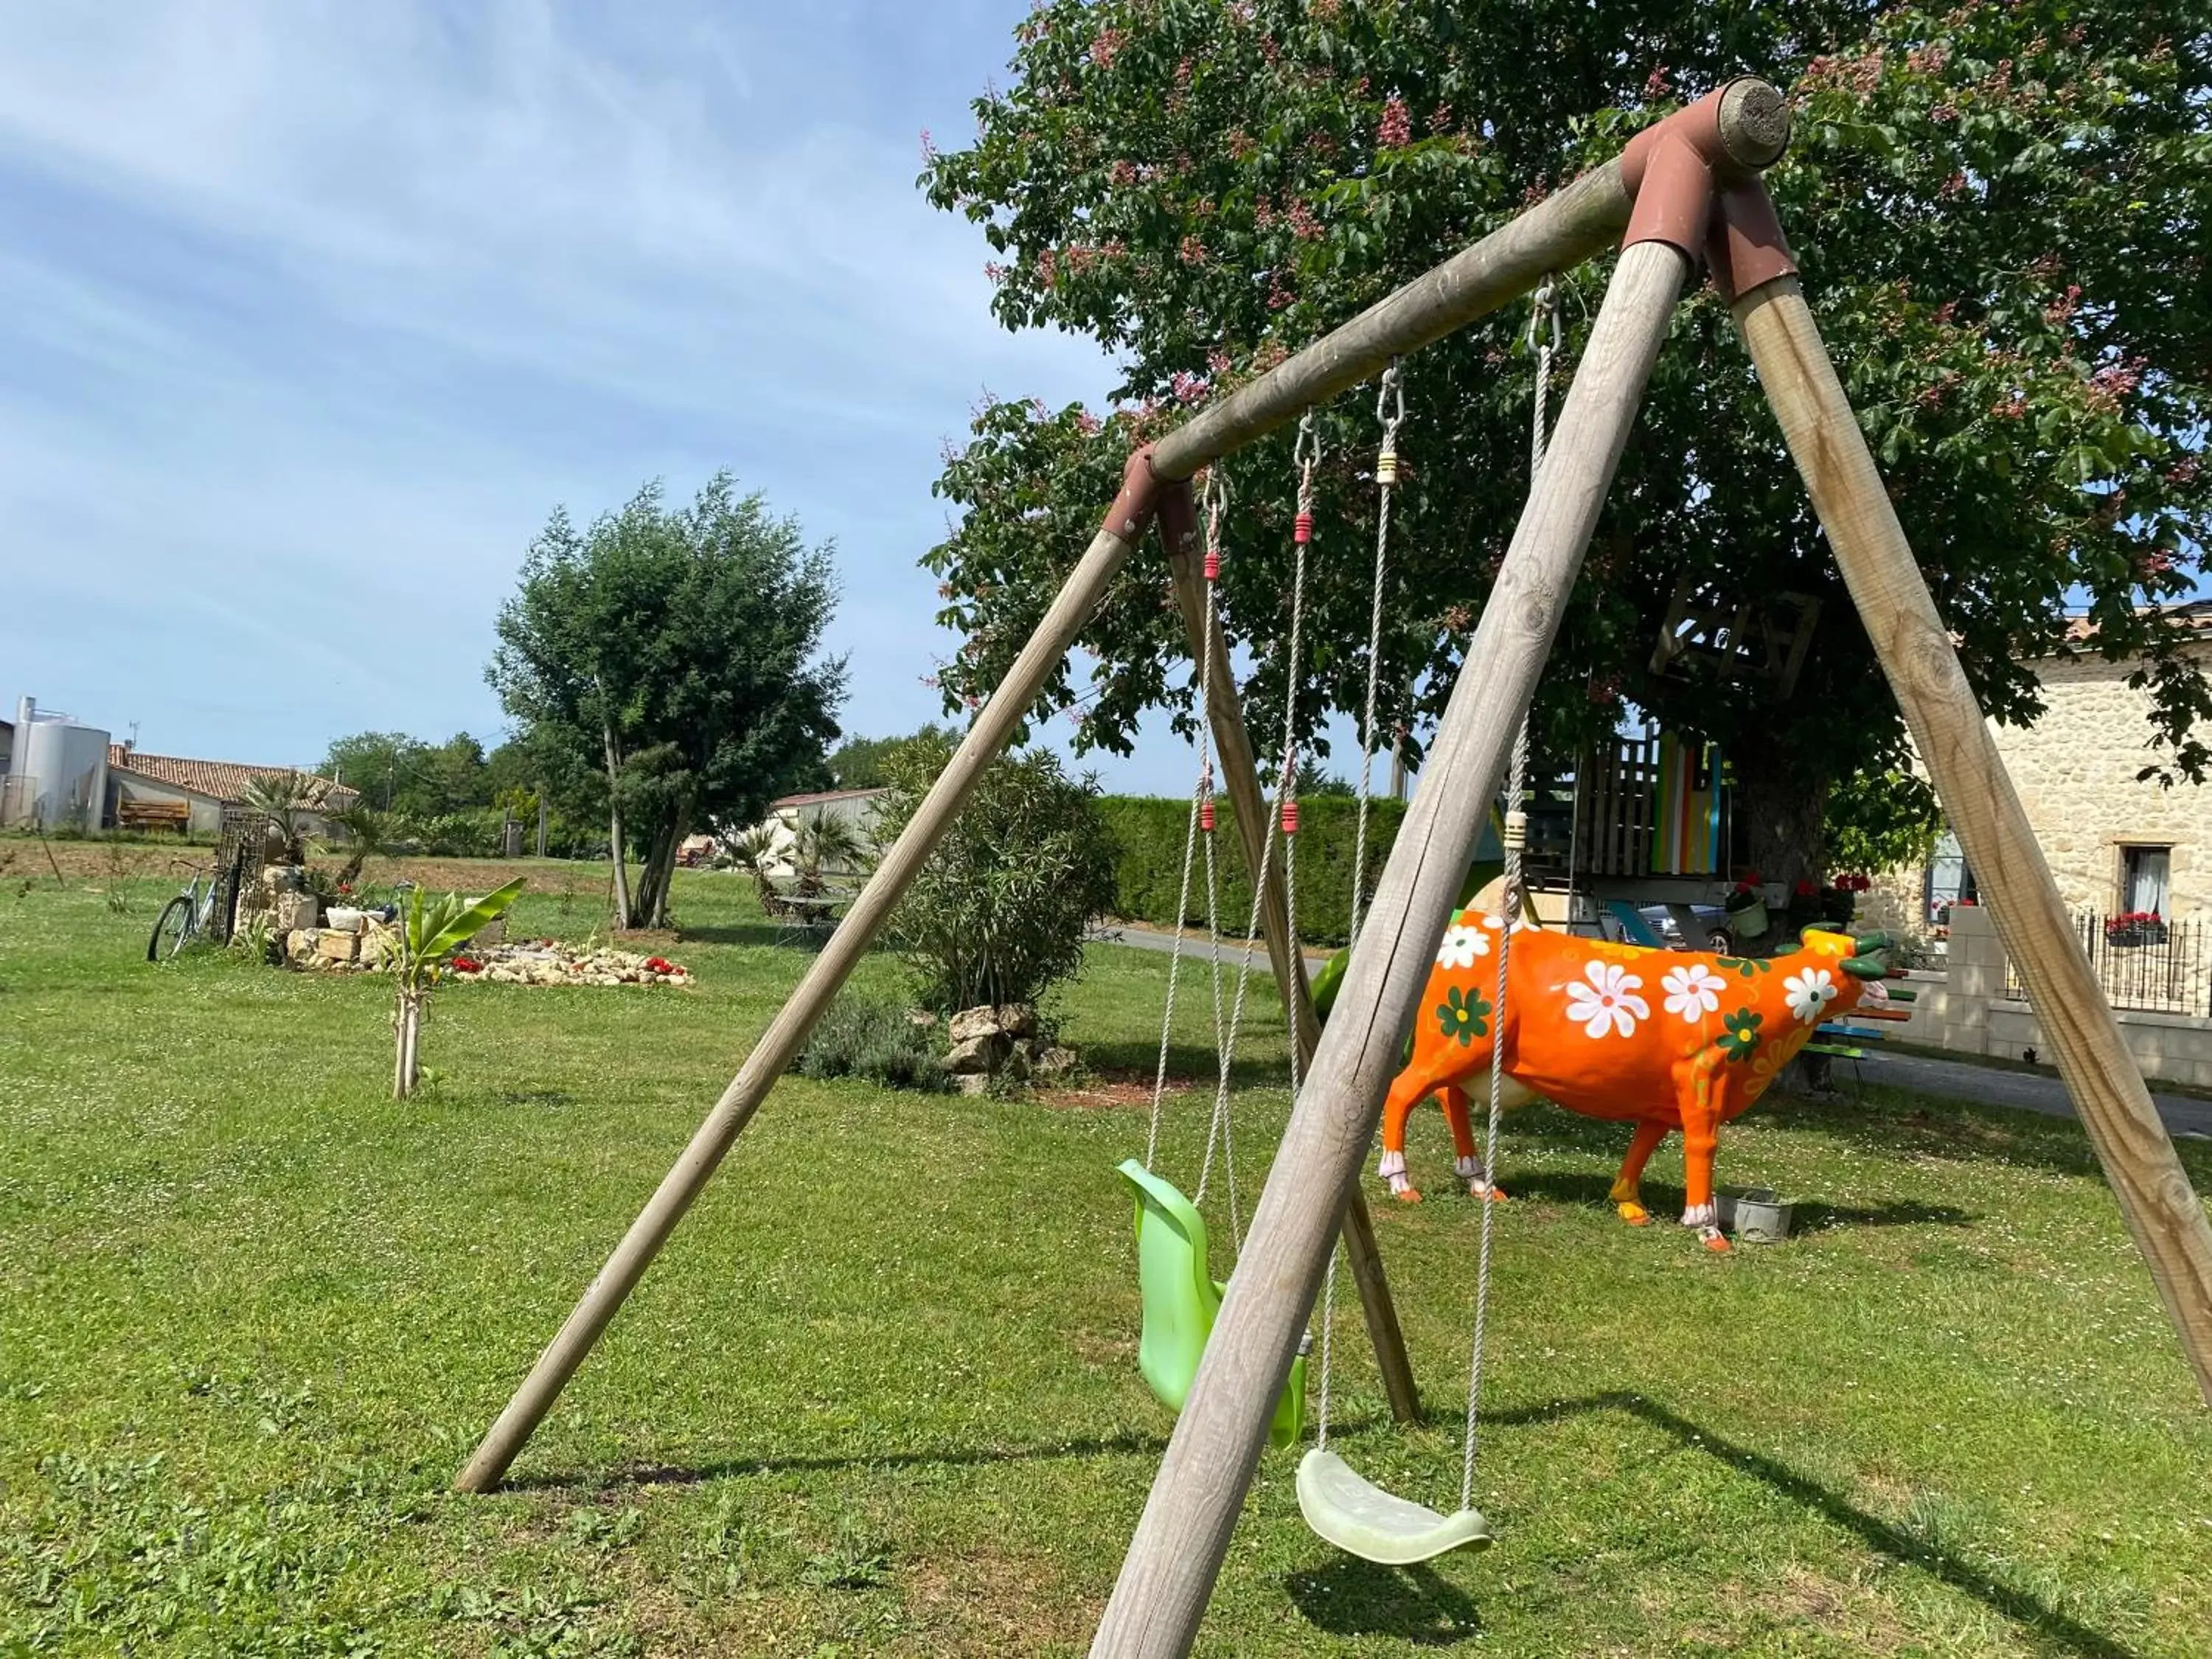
[(423, 942), (284, 800), (367, 832), (823, 841), (753, 851)]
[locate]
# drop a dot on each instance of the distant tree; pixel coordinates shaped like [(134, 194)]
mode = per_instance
[(678, 650), (1315, 779), (397, 772), (865, 762), (376, 763)]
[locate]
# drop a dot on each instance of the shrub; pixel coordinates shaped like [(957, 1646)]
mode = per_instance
[(876, 1040), (1148, 836), (998, 912)]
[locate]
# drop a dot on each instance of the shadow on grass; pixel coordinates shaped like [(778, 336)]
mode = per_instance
[(740, 932), (1189, 1066), (1886, 1538), (1351, 1598), (678, 1474), (1563, 1186)]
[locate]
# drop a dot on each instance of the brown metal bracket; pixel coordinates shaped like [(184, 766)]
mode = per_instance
[(1137, 500), (1745, 249), (1177, 509), (1678, 169)]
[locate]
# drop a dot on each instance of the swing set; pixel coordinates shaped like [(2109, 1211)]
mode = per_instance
[(1686, 191)]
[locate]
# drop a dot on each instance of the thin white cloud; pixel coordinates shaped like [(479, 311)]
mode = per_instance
[(318, 309)]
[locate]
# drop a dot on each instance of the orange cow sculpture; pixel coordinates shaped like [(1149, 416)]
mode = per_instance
[(1664, 1039)]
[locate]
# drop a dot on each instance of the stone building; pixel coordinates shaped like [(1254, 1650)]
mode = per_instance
[(2115, 844)]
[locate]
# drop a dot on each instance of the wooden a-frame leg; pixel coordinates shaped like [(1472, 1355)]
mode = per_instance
[(1182, 1535), (2163, 1213)]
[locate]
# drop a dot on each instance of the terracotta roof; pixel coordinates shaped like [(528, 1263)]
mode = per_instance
[(822, 796), (2194, 615), (223, 780)]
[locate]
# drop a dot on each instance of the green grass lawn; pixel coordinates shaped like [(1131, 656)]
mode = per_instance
[(879, 1394)]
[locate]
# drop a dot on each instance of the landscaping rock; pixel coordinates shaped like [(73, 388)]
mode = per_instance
[(970, 1083), (972, 1022), (337, 947), (297, 910), (981, 1053), (1018, 1020), (1054, 1062), (300, 945)]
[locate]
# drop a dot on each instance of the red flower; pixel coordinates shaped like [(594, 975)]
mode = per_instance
[(1805, 888), (466, 965)]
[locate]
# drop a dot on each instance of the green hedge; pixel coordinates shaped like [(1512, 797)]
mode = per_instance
[(1148, 840)]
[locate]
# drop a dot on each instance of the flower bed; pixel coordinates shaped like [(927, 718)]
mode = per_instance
[(548, 962)]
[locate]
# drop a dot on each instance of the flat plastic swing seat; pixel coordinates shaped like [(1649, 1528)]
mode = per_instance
[(1180, 1299), (1357, 1515)]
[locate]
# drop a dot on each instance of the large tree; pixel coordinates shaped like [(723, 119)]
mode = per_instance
[(2001, 211), (678, 652)]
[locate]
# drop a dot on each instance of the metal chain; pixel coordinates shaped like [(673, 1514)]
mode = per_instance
[(1545, 343)]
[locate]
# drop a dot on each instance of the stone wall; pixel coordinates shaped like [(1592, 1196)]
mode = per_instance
[(2075, 771), (1965, 1009)]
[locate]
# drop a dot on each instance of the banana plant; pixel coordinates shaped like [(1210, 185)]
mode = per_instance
[(423, 942)]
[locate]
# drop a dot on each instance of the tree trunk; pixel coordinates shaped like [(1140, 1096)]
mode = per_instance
[(406, 1028), (1782, 806), (658, 871), (615, 827)]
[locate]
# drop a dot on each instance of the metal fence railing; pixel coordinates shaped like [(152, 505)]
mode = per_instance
[(2143, 962)]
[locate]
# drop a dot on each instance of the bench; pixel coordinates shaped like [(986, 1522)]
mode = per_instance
[(175, 815)]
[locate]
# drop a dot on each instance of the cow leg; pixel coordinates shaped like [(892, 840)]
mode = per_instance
[(1469, 1166), (1628, 1184), (1700, 1136), (1406, 1093)]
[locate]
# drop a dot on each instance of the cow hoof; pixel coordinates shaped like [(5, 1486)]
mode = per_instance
[(1635, 1215), (1489, 1189), (1406, 1194), (1716, 1240)]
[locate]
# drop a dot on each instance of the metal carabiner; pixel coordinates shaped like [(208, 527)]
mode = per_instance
[(1390, 397)]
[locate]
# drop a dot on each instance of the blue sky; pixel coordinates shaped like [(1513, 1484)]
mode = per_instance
[(310, 313)]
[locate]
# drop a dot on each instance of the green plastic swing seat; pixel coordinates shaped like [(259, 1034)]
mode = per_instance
[(1180, 1299), (1351, 1512)]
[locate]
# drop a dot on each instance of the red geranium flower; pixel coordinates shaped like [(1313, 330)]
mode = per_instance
[(466, 965)]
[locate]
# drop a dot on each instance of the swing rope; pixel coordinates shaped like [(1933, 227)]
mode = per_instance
[(1545, 341), (1307, 455), (1390, 410), (1201, 828)]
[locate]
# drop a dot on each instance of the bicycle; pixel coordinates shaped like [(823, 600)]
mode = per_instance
[(188, 917)]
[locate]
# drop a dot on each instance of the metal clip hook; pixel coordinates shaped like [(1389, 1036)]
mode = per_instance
[(1390, 397), (1546, 310)]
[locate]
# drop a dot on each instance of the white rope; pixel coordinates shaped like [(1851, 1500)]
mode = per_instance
[(1200, 791), (1390, 410), (1509, 914), (1308, 455)]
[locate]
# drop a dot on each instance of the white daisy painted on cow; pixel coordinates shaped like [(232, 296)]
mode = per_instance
[(1462, 945), (1608, 1001), (1693, 992), (1809, 993)]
